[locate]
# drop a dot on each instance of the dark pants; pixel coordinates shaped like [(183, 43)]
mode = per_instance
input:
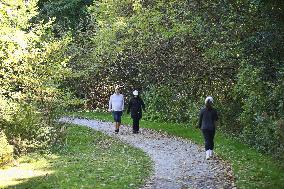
[(209, 138), (135, 124)]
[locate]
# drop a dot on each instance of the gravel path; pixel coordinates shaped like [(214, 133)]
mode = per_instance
[(178, 163)]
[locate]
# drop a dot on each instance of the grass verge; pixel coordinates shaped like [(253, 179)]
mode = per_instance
[(88, 159), (251, 168)]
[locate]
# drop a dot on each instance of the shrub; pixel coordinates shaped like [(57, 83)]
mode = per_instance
[(6, 150), (266, 135), (164, 104)]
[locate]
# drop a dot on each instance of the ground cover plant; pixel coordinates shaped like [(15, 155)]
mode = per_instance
[(86, 159)]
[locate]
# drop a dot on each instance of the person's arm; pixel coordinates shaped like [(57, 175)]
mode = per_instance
[(110, 104), (122, 103), (216, 119), (129, 106), (200, 119), (143, 105)]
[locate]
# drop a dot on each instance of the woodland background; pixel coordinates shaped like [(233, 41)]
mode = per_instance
[(68, 55)]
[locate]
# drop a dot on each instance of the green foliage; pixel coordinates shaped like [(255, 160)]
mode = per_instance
[(6, 150), (177, 53), (87, 159), (32, 65), (70, 15), (166, 104), (186, 51)]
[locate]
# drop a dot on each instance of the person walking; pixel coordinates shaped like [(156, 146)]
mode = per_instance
[(116, 106), (135, 106), (207, 123)]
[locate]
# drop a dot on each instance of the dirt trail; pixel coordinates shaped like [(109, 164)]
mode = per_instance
[(178, 163)]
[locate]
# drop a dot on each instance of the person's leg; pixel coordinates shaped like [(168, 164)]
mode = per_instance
[(135, 125), (115, 117), (138, 125), (206, 135), (206, 139), (211, 145), (119, 114), (116, 127), (212, 139)]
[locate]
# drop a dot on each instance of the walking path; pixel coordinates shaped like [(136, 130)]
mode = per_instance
[(178, 163)]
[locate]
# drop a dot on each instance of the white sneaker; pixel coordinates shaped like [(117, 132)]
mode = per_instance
[(207, 154), (211, 153)]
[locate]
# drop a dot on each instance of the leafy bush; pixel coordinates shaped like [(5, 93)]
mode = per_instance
[(33, 64), (266, 135), (6, 150), (165, 104)]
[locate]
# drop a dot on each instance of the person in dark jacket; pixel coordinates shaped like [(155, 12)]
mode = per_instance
[(135, 107), (207, 123)]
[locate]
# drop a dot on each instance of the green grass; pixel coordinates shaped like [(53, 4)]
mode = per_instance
[(251, 168), (88, 159)]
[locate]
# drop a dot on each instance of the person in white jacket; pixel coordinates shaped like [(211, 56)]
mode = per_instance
[(116, 106)]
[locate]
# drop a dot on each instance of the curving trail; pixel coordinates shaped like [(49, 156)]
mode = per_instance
[(178, 163)]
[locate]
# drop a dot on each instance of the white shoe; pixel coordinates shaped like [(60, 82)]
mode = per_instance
[(207, 154), (211, 153)]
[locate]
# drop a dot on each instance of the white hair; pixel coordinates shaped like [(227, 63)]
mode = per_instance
[(135, 93), (209, 98)]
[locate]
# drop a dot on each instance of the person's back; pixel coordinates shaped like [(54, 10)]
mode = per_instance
[(209, 117), (207, 124), (136, 104)]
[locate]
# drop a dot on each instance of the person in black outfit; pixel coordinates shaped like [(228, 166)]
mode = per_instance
[(207, 123), (135, 106)]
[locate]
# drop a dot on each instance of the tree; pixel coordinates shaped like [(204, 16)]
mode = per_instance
[(32, 63)]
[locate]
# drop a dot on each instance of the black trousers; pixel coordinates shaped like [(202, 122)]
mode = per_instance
[(136, 124), (209, 138)]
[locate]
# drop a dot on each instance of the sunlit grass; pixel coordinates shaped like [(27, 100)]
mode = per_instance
[(88, 159), (251, 168), (27, 168)]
